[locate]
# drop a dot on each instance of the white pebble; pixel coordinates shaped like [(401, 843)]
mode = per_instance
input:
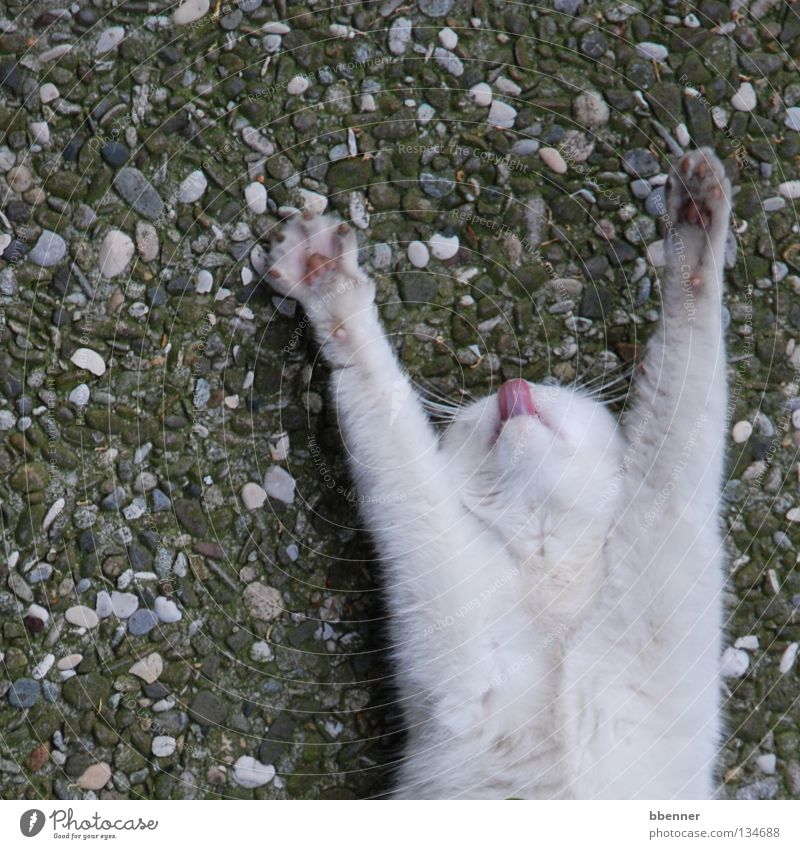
[(651, 50), (788, 658), (276, 28), (741, 432), (190, 11), (443, 247), (163, 746), (38, 612), (279, 484), (766, 763), (146, 240), (205, 282), (790, 189), (80, 395), (193, 187), (682, 135), (250, 773), (418, 254), (502, 115), (166, 610), (82, 616), (796, 418), (745, 98), (793, 118), (253, 496), (553, 160), (148, 668), (109, 39), (749, 642), (116, 252), (90, 360), (448, 38), (43, 667), (313, 202), (735, 663), (261, 652), (124, 605), (48, 93), (399, 36), (102, 605), (40, 132), (481, 93), (69, 662), (52, 513), (297, 85), (256, 197), (793, 515)]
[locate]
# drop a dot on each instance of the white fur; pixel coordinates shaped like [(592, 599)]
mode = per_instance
[(554, 583)]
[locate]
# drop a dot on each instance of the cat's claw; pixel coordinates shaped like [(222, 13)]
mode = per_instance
[(698, 192)]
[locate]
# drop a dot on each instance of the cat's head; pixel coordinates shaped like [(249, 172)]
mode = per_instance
[(536, 447)]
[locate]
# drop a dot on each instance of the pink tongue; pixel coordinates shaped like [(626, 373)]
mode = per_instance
[(515, 399)]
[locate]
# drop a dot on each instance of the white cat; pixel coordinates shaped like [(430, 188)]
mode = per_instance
[(554, 576)]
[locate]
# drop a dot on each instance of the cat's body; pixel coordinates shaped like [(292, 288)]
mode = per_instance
[(554, 577)]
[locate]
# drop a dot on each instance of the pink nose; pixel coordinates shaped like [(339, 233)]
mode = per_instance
[(515, 399)]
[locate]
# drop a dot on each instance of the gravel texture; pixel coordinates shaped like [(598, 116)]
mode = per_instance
[(188, 608)]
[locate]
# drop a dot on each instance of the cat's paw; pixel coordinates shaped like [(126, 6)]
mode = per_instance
[(698, 192), (315, 261)]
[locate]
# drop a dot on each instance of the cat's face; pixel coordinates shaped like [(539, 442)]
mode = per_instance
[(531, 446)]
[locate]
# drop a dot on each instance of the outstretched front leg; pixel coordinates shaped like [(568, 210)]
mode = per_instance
[(677, 420)]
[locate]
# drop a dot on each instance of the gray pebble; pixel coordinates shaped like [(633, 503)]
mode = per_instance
[(49, 249), (142, 622), (24, 693), (640, 162), (134, 187), (435, 8)]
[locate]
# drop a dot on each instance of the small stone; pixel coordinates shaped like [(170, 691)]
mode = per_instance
[(40, 132), (792, 119), (43, 667), (448, 38), (69, 662), (261, 652), (789, 189), (297, 85), (146, 241), (89, 360), (190, 11), (52, 514), (253, 496), (19, 179), (448, 61), (741, 432), (82, 616), (793, 515), (735, 663), (502, 115), (95, 777), (48, 93), (651, 50), (166, 610), (102, 605), (116, 252), (279, 484), (205, 282), (142, 622), (123, 605), (208, 709), (250, 773), (481, 93), (109, 39), (49, 249), (148, 668), (256, 196), (115, 154), (163, 746), (263, 602), (36, 611), (749, 642), (788, 659), (591, 110), (745, 98), (443, 247), (135, 188), (193, 187), (767, 763), (80, 395), (639, 162), (553, 160), (418, 254), (24, 693), (435, 8)]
